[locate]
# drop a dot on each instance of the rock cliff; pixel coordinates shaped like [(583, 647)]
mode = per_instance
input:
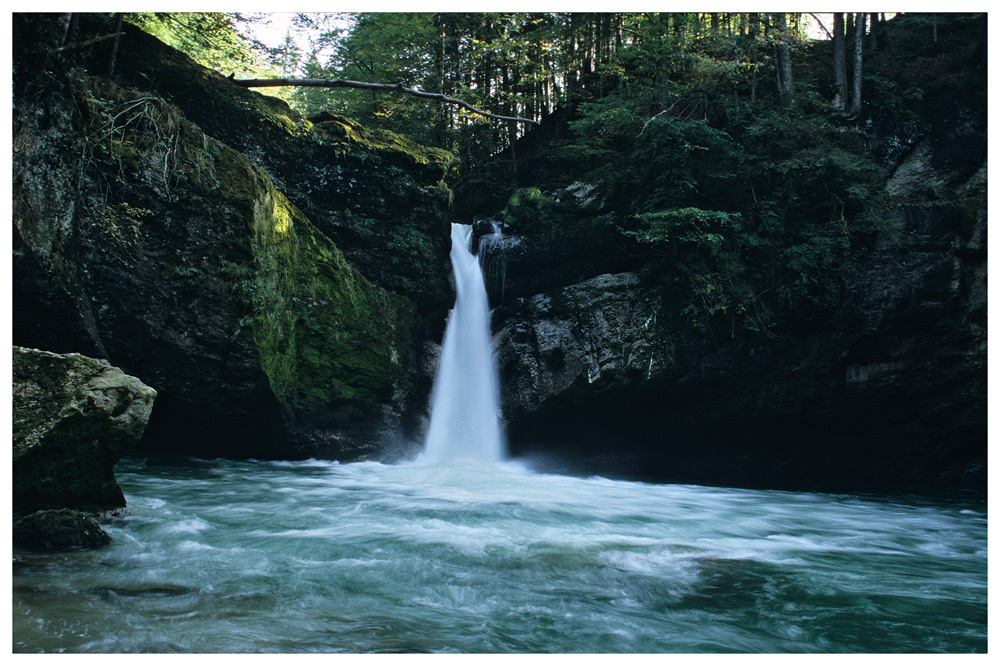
[(636, 349), (889, 385), (283, 281), (144, 235)]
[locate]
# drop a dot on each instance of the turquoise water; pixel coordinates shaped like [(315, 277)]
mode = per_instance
[(317, 556)]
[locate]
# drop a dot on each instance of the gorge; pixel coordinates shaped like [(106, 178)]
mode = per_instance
[(727, 370), (463, 551)]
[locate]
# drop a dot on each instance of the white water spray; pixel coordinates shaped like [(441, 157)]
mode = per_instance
[(465, 403)]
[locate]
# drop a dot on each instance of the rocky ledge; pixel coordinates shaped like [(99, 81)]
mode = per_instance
[(73, 418)]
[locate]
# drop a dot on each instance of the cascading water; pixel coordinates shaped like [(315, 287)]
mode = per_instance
[(465, 403)]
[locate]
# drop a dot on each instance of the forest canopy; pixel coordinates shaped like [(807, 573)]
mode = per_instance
[(710, 66), (688, 65)]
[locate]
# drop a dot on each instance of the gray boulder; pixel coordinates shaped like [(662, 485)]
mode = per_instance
[(73, 417)]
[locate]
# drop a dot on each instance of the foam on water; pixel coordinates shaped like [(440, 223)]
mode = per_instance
[(370, 557)]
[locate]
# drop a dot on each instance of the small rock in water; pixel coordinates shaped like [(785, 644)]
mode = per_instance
[(58, 529)]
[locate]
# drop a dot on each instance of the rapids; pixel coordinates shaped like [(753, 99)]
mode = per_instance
[(225, 556)]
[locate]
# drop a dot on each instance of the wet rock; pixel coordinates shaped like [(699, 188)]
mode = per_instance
[(58, 529), (73, 418), (584, 340)]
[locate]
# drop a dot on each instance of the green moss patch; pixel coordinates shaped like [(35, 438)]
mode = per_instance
[(332, 344)]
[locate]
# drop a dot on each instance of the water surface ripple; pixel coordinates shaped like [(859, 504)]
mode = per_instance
[(222, 556)]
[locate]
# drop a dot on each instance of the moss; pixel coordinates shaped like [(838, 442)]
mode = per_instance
[(330, 342), (326, 337), (534, 215), (528, 196), (382, 144)]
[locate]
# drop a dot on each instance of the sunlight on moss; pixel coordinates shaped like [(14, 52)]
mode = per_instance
[(282, 219)]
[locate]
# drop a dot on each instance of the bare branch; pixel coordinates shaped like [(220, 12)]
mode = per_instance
[(80, 45), (820, 24), (385, 87)]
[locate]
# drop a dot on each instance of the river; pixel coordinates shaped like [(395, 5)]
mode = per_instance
[(316, 556)]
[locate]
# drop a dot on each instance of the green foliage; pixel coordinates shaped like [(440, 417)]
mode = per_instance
[(812, 270), (691, 228), (741, 223), (211, 38), (646, 164), (536, 217), (818, 172)]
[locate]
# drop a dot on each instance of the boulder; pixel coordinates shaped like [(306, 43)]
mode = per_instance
[(73, 418), (58, 529)]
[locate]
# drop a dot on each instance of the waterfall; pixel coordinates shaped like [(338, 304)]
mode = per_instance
[(465, 403)]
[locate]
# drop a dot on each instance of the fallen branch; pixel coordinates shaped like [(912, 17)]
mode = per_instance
[(385, 87), (80, 45)]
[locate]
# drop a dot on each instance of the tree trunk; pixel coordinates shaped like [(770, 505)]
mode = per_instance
[(839, 62), (73, 32), (119, 17), (859, 41), (441, 121), (754, 31), (783, 57), (374, 87)]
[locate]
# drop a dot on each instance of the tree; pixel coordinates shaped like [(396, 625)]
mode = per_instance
[(783, 59), (211, 38), (287, 56), (839, 62), (523, 66), (859, 40)]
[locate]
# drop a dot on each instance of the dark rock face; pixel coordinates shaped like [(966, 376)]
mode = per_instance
[(596, 337), (279, 281), (73, 418), (58, 529), (143, 237), (553, 240), (380, 197), (888, 386)]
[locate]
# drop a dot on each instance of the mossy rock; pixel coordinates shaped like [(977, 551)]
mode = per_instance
[(73, 418), (266, 292), (334, 346)]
